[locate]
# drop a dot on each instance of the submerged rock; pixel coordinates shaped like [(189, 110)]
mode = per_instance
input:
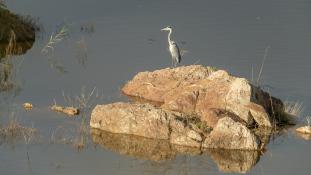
[(70, 111), (202, 91)]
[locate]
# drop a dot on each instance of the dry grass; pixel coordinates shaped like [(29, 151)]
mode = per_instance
[(262, 65), (54, 39), (85, 100), (308, 119), (81, 52), (81, 140), (77, 137), (24, 26), (293, 108), (14, 131)]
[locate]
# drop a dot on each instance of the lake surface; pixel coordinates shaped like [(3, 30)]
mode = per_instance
[(108, 42)]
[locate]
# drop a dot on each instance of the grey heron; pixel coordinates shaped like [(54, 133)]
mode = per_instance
[(173, 48)]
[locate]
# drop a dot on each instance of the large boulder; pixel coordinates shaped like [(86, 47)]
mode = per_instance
[(137, 119), (152, 122), (203, 91), (147, 121)]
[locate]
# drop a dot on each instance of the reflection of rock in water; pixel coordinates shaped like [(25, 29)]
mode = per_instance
[(162, 150), (140, 147), (135, 146), (304, 136), (234, 161)]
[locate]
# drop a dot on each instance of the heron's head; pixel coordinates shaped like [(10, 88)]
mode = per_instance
[(168, 28)]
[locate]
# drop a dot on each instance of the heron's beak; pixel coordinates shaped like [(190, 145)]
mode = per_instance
[(164, 29)]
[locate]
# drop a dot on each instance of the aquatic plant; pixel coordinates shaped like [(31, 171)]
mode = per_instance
[(14, 131), (85, 100), (262, 65), (54, 39), (81, 52), (293, 108)]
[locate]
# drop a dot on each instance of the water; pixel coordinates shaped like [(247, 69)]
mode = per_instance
[(110, 41)]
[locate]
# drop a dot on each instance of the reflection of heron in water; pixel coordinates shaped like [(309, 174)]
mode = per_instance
[(173, 48)]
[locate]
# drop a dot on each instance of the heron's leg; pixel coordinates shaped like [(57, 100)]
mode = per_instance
[(172, 62), (175, 63)]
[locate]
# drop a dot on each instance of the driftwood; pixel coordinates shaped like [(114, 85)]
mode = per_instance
[(71, 111)]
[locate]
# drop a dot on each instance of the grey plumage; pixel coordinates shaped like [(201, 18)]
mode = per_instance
[(173, 48)]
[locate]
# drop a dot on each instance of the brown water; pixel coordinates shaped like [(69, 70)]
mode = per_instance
[(110, 41)]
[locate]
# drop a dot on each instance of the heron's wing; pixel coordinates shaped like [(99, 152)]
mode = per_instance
[(175, 51)]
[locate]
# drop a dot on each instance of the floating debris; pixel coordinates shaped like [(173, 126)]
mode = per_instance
[(28, 106), (304, 129), (66, 110)]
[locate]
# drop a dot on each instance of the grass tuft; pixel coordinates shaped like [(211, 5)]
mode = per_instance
[(308, 119), (54, 39), (15, 131), (293, 108)]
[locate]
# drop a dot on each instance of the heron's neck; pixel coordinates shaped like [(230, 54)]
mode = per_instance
[(169, 37)]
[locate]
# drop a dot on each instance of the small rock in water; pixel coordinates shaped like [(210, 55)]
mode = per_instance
[(27, 106), (66, 110), (304, 129)]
